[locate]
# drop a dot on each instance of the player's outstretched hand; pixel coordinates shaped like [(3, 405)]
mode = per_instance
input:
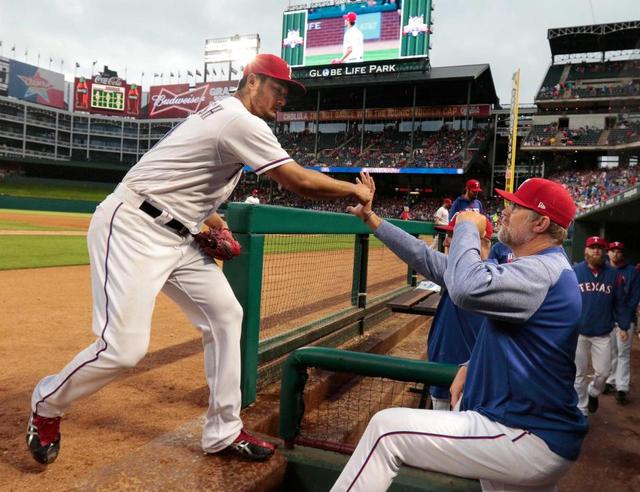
[(474, 217), (365, 191), (458, 385)]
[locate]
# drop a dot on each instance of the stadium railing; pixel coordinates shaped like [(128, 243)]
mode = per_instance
[(306, 275)]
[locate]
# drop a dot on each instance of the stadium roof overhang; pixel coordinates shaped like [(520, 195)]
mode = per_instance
[(616, 36), (433, 87)]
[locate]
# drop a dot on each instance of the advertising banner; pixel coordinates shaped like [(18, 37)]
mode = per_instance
[(378, 114), (108, 94), (36, 84), (180, 100)]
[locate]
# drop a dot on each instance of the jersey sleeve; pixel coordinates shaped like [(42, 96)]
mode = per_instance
[(250, 141)]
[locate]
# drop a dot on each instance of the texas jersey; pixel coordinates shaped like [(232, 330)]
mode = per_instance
[(196, 166)]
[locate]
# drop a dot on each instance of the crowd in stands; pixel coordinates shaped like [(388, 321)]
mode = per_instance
[(571, 90), (618, 68), (625, 132), (591, 187), (389, 148), (550, 135)]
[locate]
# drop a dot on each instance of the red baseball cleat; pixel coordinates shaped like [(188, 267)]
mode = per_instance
[(43, 438), (251, 447)]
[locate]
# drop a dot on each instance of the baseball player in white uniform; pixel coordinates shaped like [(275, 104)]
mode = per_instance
[(141, 242), (512, 433), (353, 41), (253, 198)]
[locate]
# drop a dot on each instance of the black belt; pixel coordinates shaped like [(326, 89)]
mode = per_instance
[(175, 225)]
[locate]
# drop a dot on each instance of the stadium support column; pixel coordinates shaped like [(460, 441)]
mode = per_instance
[(364, 110), (493, 152), (466, 123), (315, 147), (413, 122)]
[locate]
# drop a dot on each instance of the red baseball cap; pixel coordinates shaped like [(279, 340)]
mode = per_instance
[(488, 231), (616, 245), (351, 17), (473, 185), (275, 67), (546, 197), (447, 201), (596, 241)]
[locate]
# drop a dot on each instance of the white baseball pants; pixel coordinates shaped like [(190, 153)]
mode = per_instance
[(133, 257), (600, 350), (465, 444), (620, 374), (441, 403)]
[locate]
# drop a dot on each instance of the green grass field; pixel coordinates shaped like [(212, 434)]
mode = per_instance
[(372, 55), (299, 244), (42, 251), (44, 190), (16, 225)]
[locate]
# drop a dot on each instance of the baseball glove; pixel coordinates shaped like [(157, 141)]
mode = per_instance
[(218, 243)]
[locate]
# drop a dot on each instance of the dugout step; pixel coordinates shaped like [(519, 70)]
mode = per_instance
[(416, 301), (175, 461)]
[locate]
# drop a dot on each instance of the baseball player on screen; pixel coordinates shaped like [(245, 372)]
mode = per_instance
[(519, 428), (353, 41), (620, 374), (603, 306), (141, 242)]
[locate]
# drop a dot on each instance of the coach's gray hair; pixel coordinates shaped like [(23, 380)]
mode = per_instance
[(557, 233)]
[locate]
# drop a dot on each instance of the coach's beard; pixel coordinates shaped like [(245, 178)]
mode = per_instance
[(514, 238)]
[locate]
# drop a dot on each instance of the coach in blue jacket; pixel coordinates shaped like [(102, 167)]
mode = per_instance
[(603, 305), (519, 428)]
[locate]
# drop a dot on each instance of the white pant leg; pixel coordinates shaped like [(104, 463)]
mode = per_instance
[(465, 444), (131, 257), (614, 358), (601, 362), (200, 288), (441, 404), (583, 350), (623, 369)]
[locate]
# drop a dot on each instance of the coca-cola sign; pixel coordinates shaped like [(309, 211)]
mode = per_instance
[(180, 100), (103, 79)]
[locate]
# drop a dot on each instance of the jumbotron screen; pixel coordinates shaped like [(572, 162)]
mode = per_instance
[(107, 97), (356, 32)]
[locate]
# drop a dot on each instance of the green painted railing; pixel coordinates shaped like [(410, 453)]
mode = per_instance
[(250, 224), (294, 377)]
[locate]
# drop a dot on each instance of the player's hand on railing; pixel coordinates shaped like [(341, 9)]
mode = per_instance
[(458, 385)]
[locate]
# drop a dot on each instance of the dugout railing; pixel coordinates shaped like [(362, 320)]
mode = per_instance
[(354, 386), (303, 275)]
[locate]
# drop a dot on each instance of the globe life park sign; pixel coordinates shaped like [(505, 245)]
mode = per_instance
[(362, 69)]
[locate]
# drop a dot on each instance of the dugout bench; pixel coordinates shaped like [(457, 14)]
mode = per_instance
[(417, 301)]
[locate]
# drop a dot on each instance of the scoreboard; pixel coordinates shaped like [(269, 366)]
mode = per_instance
[(107, 97)]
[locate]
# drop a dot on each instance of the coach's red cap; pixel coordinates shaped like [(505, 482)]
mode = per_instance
[(473, 185), (596, 241), (275, 67), (616, 245), (447, 201), (546, 197), (351, 17), (488, 230)]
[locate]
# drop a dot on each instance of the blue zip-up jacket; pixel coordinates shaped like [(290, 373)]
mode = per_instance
[(501, 253), (461, 203), (631, 285), (603, 300), (522, 368)]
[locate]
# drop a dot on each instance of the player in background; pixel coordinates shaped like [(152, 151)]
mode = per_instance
[(405, 214), (353, 41), (603, 305), (141, 241), (620, 374), (519, 428), (253, 198), (441, 218), (468, 200)]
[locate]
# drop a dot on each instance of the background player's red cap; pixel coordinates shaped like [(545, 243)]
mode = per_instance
[(275, 67), (546, 197), (351, 17), (447, 201), (473, 185), (596, 241), (616, 245), (488, 230)]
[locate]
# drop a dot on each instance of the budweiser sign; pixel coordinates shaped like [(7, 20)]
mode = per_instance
[(180, 100)]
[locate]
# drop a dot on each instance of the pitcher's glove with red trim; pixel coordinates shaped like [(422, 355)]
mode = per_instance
[(218, 243)]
